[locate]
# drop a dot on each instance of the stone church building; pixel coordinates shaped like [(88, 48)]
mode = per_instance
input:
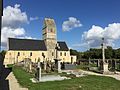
[(43, 50)]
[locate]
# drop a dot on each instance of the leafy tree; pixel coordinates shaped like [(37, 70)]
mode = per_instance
[(3, 52), (109, 52)]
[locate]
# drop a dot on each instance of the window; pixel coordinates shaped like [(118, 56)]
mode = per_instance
[(52, 54), (51, 30), (31, 54), (18, 53), (61, 54), (42, 54), (65, 53)]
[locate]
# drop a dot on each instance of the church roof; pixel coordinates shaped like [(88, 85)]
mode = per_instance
[(62, 46), (26, 44), (33, 45)]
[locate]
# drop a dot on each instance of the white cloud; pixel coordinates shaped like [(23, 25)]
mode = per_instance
[(13, 16), (70, 24), (12, 20), (93, 37), (26, 37), (10, 32), (33, 18)]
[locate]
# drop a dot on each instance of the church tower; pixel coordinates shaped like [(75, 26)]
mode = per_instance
[(50, 37)]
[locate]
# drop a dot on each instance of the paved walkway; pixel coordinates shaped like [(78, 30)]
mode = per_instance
[(116, 76), (8, 80), (13, 84), (82, 72)]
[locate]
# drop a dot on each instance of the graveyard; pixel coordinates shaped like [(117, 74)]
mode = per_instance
[(82, 75), (88, 82), (59, 45)]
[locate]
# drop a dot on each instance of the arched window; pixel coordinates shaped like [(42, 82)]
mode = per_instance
[(51, 30), (52, 54), (60, 53), (30, 53), (65, 54), (42, 54), (18, 53), (9, 53)]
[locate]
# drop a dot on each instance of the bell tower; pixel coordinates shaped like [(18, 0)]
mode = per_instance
[(49, 36)]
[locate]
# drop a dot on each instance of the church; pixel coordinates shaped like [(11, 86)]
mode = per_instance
[(46, 49)]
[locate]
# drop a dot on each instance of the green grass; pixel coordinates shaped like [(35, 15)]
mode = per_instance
[(82, 83)]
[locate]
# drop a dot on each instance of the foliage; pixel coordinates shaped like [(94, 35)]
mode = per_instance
[(94, 53), (3, 52)]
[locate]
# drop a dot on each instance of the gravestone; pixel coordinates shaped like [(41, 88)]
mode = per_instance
[(58, 65), (98, 63), (39, 72), (69, 66), (44, 63)]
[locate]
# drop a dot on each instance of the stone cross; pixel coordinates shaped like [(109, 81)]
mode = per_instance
[(105, 64)]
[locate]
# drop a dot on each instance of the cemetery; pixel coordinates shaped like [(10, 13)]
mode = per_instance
[(29, 62), (43, 74)]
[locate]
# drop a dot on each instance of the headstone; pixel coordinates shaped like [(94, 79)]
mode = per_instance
[(39, 72), (58, 65), (44, 65), (105, 68), (69, 66), (98, 63)]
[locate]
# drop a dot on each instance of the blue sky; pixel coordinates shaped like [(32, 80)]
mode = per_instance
[(90, 13)]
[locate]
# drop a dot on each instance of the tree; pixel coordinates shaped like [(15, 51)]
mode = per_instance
[(109, 52), (3, 52)]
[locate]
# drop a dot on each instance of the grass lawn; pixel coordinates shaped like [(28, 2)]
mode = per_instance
[(82, 83)]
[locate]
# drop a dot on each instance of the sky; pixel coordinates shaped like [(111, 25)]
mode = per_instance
[(80, 23)]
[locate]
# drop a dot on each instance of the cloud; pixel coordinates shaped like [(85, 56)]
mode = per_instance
[(93, 37), (71, 24), (13, 16), (12, 21), (10, 32), (33, 18)]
